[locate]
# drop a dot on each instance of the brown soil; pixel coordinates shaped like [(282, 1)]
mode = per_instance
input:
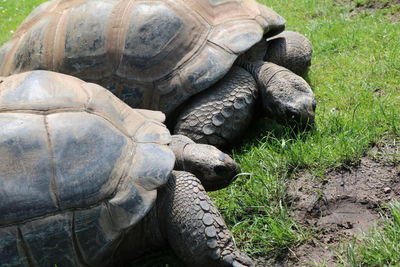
[(345, 203), (373, 6), (376, 5)]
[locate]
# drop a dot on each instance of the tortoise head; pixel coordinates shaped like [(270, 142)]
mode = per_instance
[(214, 168)]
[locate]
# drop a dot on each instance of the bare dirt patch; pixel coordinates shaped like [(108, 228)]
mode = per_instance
[(370, 7), (345, 203)]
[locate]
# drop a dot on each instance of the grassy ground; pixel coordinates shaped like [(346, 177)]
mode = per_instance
[(380, 247), (355, 76)]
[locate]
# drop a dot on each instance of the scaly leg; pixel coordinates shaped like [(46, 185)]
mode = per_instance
[(220, 114), (193, 226)]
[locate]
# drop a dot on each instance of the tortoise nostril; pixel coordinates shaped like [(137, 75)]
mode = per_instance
[(221, 170), (314, 105)]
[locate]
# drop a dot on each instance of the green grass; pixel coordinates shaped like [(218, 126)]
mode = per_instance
[(355, 76), (12, 13), (378, 248)]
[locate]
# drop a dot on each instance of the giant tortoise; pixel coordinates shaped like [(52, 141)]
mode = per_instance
[(176, 56), (87, 181)]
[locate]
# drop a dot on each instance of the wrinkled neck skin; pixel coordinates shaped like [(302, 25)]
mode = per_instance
[(253, 59), (285, 96), (255, 54)]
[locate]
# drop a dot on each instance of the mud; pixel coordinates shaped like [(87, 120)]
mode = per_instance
[(348, 201)]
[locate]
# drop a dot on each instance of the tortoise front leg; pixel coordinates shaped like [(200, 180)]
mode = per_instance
[(220, 114), (193, 226)]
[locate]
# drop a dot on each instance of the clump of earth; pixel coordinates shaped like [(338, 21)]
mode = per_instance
[(347, 202)]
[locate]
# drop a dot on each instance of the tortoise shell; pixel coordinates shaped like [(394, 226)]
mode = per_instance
[(78, 168), (151, 54)]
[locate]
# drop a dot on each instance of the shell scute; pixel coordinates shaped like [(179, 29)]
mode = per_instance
[(151, 164), (85, 55), (151, 54), (87, 157), (160, 37), (25, 166), (41, 90), (152, 27), (78, 161), (29, 54), (9, 247), (203, 71), (49, 241), (95, 234), (237, 37)]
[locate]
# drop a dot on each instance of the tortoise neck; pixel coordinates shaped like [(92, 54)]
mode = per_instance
[(256, 53), (253, 59)]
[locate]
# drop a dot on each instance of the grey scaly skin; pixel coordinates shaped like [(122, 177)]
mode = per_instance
[(185, 219), (285, 96), (223, 112), (210, 165), (195, 227), (290, 50)]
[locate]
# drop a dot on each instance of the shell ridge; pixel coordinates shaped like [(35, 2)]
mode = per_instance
[(9, 58), (54, 190), (61, 110), (122, 130), (86, 105), (116, 33), (59, 41), (75, 244), (60, 211), (32, 21), (24, 248), (129, 155), (55, 111), (227, 49), (138, 128), (144, 113), (49, 41)]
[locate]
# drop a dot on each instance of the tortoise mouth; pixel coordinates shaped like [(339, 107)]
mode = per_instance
[(216, 185), (224, 175)]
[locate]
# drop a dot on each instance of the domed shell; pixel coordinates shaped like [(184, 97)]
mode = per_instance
[(78, 168), (151, 54)]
